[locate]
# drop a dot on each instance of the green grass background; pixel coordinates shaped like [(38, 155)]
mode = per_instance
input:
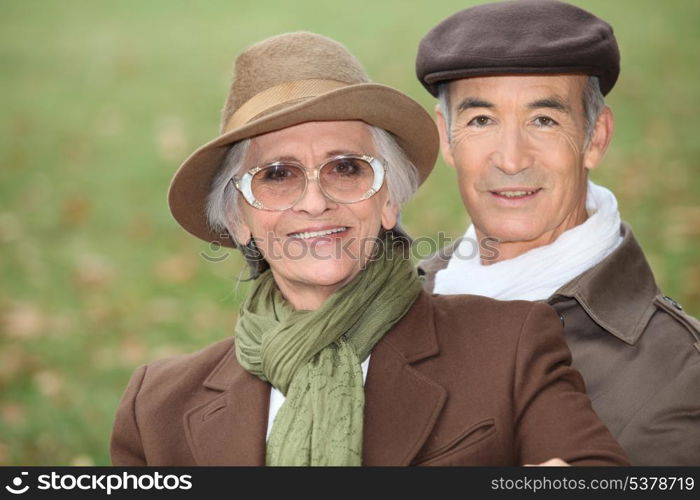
[(101, 100)]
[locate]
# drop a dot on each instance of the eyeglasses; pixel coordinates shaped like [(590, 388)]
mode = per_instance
[(343, 179)]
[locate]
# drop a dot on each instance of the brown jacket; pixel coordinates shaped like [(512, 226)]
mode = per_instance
[(638, 352), (460, 380)]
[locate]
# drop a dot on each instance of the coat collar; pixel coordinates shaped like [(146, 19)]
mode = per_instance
[(230, 428), (400, 402), (618, 293)]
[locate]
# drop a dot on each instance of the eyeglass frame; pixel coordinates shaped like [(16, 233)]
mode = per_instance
[(244, 183)]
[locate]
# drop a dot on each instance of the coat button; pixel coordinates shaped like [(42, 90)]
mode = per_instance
[(673, 302)]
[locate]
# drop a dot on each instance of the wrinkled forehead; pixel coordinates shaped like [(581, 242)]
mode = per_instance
[(519, 90), (313, 141)]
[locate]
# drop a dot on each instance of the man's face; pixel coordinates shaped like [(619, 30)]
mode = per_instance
[(517, 144)]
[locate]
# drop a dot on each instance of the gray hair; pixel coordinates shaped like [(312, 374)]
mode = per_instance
[(593, 103), (444, 103), (222, 204), (223, 212)]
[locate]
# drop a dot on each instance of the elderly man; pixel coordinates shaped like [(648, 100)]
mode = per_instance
[(522, 120)]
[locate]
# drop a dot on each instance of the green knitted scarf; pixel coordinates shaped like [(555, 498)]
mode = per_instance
[(313, 358)]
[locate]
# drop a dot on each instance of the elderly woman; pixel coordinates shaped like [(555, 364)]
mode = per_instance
[(338, 357)]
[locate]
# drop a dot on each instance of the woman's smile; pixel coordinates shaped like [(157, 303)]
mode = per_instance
[(320, 234)]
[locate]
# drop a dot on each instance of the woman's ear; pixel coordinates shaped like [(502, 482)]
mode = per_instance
[(390, 214), (241, 233)]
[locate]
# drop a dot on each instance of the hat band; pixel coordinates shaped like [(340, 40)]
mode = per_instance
[(279, 94)]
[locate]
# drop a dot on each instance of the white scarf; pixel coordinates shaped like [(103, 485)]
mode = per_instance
[(538, 273)]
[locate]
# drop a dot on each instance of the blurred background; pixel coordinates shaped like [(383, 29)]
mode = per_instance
[(100, 101)]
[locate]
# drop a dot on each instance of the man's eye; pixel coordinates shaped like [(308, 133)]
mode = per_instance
[(545, 121), (479, 121)]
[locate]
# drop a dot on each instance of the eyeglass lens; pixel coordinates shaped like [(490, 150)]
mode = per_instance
[(345, 180)]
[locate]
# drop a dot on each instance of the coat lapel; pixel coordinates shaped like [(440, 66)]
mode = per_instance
[(402, 404), (230, 428)]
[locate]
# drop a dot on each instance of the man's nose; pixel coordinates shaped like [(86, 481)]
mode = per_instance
[(313, 202), (513, 151)]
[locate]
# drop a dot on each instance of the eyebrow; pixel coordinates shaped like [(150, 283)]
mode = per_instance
[(329, 154), (283, 158), (551, 103), (474, 102), (337, 152)]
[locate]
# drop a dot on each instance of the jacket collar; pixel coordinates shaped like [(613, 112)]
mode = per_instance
[(401, 404), (225, 372), (230, 427), (618, 293)]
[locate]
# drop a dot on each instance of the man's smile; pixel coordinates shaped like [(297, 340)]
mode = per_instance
[(515, 194)]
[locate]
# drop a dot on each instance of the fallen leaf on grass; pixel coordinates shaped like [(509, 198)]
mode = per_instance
[(12, 413), (50, 383), (14, 363), (22, 321), (163, 310), (171, 138), (82, 461), (75, 210), (133, 351), (93, 271), (176, 269)]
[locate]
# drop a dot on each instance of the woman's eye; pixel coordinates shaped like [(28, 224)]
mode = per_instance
[(479, 121), (278, 173), (345, 167)]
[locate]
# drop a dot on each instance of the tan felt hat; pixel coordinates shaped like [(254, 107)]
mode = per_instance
[(287, 80)]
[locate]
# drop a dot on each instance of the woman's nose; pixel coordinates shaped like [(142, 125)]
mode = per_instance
[(313, 201)]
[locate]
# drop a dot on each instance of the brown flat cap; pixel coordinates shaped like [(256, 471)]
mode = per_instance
[(518, 37), (286, 80)]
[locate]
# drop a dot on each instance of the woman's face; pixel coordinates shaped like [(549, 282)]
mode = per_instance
[(318, 245)]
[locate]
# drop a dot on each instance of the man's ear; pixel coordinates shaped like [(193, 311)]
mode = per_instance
[(602, 134), (444, 137)]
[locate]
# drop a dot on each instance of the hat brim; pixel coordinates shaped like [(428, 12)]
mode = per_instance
[(372, 103)]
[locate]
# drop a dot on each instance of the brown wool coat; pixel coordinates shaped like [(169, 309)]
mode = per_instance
[(460, 380), (638, 352)]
